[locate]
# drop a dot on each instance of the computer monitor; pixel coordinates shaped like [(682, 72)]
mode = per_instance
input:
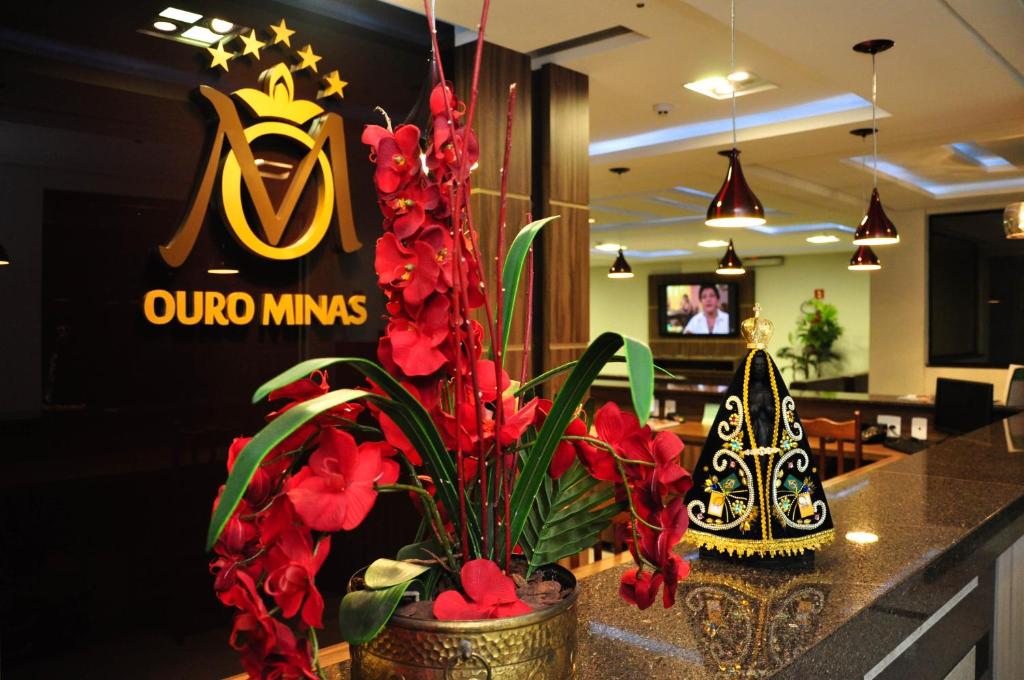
[(962, 405)]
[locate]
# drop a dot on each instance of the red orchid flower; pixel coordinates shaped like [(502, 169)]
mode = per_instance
[(336, 490), (666, 450), (640, 588), (567, 451), (407, 209), (436, 236), (396, 155), (514, 423), (416, 344), (414, 271), (272, 650), (292, 566), (397, 439), (489, 595)]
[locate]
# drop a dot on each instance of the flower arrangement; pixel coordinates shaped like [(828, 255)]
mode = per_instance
[(504, 480)]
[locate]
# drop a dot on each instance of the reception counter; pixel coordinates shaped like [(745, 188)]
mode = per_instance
[(920, 583), (689, 399)]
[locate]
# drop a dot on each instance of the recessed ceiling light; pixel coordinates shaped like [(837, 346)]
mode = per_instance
[(822, 238), (713, 243), (165, 26), (181, 15), (609, 247), (221, 26), (722, 87), (201, 34)]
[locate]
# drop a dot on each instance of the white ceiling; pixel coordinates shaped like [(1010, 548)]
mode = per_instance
[(956, 74)]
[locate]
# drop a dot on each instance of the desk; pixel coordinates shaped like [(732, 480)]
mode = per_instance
[(690, 399)]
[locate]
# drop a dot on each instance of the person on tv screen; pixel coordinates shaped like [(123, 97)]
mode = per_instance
[(711, 320)]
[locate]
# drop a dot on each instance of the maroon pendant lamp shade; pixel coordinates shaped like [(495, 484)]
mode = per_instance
[(735, 205), (876, 229), (864, 260), (730, 264), (620, 269)]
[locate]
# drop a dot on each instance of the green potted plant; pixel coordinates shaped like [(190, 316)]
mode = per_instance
[(506, 483), (817, 330)]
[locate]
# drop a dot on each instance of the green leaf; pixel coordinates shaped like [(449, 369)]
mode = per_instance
[(418, 551), (384, 573), (567, 517), (512, 273), (587, 368), (257, 449), (414, 421), (363, 613), (640, 367)]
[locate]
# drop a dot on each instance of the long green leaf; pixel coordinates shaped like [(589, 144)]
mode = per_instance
[(564, 407), (512, 273), (640, 367), (363, 613), (257, 449), (414, 421)]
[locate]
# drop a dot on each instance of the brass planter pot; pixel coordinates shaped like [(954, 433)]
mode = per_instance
[(536, 646)]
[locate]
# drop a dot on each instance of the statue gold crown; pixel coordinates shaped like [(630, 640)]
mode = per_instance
[(757, 330)]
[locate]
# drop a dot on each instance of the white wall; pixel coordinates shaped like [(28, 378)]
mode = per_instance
[(621, 305)]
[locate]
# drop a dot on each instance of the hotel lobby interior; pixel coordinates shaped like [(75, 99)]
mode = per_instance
[(570, 339)]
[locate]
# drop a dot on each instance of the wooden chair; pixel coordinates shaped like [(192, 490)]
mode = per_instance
[(829, 431)]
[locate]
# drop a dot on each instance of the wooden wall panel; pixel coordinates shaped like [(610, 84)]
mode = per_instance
[(561, 186), (500, 68)]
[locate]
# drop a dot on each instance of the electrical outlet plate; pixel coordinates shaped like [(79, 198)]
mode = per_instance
[(919, 428), (893, 426)]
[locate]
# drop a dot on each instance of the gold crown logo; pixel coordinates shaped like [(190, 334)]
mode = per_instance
[(757, 330)]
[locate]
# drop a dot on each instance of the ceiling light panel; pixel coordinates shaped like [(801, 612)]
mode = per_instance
[(181, 15), (722, 87)]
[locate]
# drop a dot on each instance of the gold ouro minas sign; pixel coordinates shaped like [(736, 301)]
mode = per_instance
[(277, 113)]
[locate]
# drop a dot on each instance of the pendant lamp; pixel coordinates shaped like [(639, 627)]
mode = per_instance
[(875, 229), (864, 260), (735, 205), (620, 269), (4, 259), (730, 264)]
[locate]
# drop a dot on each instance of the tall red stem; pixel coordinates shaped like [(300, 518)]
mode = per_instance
[(499, 342)]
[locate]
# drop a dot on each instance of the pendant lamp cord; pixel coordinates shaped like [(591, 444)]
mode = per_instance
[(874, 125), (732, 86)]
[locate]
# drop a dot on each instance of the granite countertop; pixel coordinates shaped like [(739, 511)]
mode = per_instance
[(937, 515), (927, 510)]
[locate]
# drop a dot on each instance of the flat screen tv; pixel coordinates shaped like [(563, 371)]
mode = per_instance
[(700, 309)]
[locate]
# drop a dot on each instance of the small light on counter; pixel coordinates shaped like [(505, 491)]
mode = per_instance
[(861, 537)]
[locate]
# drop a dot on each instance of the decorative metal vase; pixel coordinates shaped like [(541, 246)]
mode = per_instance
[(540, 645)]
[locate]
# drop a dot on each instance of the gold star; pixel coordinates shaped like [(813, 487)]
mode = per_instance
[(308, 58), (220, 55), (282, 33), (335, 85), (252, 44)]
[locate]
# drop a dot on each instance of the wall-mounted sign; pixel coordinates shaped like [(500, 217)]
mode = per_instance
[(257, 224)]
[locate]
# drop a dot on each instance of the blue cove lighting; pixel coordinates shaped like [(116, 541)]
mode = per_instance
[(819, 107)]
